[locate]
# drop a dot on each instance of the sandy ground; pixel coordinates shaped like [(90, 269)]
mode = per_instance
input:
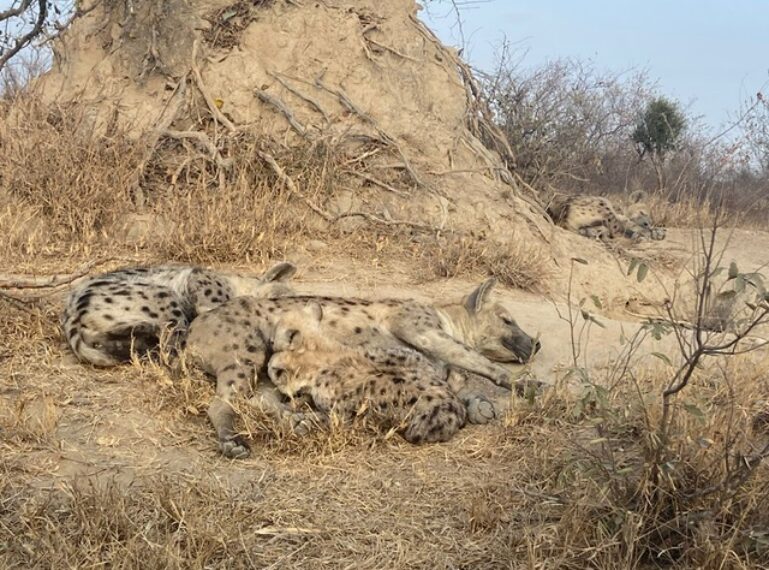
[(390, 504)]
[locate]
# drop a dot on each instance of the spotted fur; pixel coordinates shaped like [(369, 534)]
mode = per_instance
[(234, 341), (109, 317), (596, 217)]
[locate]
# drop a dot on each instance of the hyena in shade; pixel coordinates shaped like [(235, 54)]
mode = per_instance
[(234, 341), (109, 316), (427, 401), (597, 217)]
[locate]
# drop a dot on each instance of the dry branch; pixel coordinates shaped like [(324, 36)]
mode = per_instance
[(376, 182), (214, 110), (201, 138), (14, 281), (306, 98), (283, 109)]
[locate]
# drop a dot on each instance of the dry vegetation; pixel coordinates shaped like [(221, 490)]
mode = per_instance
[(118, 468)]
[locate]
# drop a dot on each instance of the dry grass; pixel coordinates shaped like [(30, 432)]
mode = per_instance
[(119, 468), (516, 264)]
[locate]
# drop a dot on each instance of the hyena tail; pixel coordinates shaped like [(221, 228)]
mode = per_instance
[(114, 346), (118, 344)]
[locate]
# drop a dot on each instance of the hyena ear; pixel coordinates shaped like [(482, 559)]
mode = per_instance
[(637, 196), (280, 272), (478, 298), (314, 311)]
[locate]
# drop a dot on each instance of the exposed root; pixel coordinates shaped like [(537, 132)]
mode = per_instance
[(283, 109)]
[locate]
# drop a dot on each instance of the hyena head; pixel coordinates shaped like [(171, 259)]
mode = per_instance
[(273, 283), (497, 336), (638, 211), (299, 349)]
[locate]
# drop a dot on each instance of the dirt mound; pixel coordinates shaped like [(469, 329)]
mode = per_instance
[(367, 79)]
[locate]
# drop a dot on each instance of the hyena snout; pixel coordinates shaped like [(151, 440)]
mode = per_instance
[(277, 368), (522, 346)]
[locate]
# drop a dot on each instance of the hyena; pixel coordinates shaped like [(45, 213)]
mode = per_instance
[(426, 400), (233, 342), (109, 316), (597, 217)]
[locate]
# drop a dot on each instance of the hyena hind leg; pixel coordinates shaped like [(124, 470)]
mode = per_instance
[(437, 416)]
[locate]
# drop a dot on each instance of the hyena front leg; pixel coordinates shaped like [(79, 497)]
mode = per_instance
[(441, 346), (480, 410), (233, 382)]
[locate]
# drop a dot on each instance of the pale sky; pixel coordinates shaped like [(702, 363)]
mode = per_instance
[(708, 54)]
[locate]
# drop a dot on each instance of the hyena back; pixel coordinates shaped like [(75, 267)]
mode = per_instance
[(110, 316)]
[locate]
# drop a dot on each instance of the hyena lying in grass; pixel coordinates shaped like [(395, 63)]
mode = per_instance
[(109, 316), (426, 400), (233, 342), (597, 217)]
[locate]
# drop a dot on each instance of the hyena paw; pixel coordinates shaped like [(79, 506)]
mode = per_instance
[(480, 410), (234, 447), (303, 424), (529, 387)]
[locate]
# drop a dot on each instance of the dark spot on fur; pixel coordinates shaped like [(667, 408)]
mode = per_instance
[(231, 383), (229, 367), (84, 301), (398, 380), (358, 330), (107, 317), (242, 375), (177, 313), (162, 294), (108, 300), (251, 348), (208, 292)]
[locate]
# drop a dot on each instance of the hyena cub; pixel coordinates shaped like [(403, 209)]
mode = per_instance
[(427, 400), (233, 342), (597, 217), (109, 316)]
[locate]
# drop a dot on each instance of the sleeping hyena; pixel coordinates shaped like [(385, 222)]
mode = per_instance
[(109, 316), (233, 342), (426, 400), (597, 217)]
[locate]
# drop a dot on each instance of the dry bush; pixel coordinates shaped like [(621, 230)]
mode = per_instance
[(62, 187), (229, 23), (516, 263)]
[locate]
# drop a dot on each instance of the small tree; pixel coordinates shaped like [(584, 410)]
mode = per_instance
[(657, 132)]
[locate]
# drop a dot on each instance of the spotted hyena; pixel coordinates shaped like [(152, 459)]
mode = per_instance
[(108, 317), (234, 341), (597, 217), (425, 399)]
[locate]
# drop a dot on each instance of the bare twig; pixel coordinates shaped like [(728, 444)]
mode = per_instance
[(13, 281), (213, 109), (283, 109), (24, 40), (202, 139), (306, 98), (376, 182)]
